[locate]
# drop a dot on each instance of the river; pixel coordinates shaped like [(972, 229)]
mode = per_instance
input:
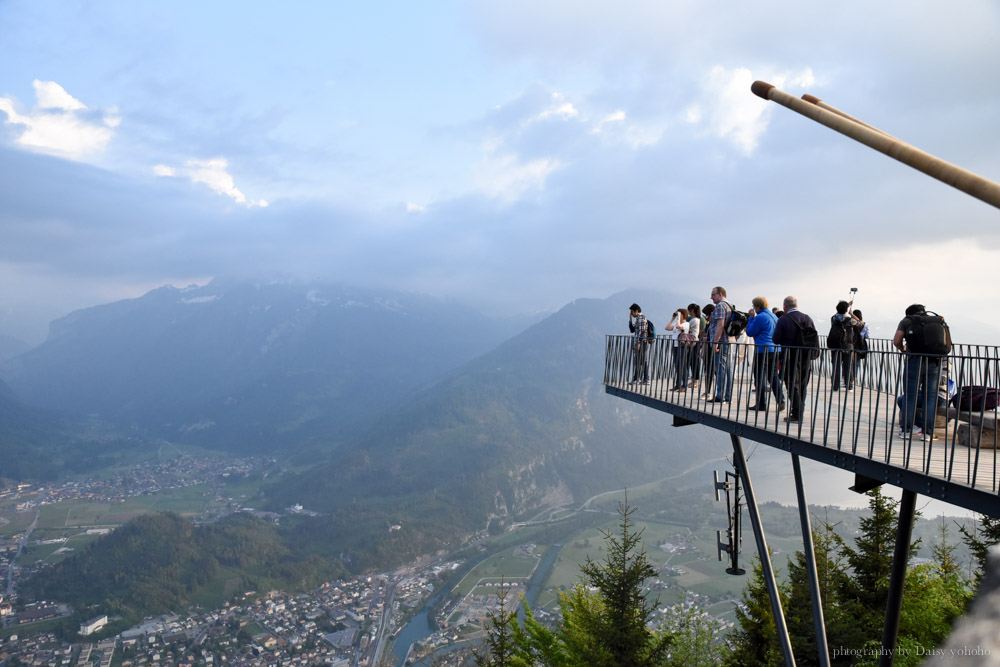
[(419, 626)]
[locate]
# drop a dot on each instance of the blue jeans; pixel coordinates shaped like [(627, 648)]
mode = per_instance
[(723, 376), (918, 404)]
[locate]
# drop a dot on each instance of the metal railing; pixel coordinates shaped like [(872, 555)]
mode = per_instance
[(860, 410)]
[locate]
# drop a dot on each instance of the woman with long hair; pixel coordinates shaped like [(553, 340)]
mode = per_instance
[(678, 326), (696, 324)]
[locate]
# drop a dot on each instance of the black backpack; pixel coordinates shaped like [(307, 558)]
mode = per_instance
[(841, 336), (860, 344), (927, 333), (737, 323), (810, 337), (650, 329)]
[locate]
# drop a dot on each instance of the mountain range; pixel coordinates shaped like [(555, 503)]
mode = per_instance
[(412, 411), (249, 366)]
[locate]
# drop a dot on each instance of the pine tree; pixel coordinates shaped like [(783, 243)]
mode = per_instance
[(608, 627), (866, 591), (979, 539), (696, 637), (831, 574), (754, 642), (621, 629), (498, 646)]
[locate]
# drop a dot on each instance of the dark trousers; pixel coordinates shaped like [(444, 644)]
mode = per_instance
[(765, 373), (640, 370), (843, 366), (708, 357), (681, 365), (796, 367)]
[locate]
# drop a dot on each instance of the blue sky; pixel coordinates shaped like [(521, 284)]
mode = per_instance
[(512, 155)]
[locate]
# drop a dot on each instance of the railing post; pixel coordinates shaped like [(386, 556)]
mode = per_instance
[(740, 461)]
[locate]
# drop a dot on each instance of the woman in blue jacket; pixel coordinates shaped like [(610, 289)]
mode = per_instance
[(765, 362)]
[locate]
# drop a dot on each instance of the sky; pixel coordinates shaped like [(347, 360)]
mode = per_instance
[(511, 155)]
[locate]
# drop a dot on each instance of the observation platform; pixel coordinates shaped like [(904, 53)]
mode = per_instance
[(856, 430)]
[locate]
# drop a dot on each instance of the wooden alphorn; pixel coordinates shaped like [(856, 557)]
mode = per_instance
[(981, 188)]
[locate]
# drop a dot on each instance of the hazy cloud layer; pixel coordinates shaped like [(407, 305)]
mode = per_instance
[(516, 155)]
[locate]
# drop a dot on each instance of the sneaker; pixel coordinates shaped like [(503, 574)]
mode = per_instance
[(906, 435)]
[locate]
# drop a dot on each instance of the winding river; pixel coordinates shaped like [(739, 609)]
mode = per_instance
[(419, 627)]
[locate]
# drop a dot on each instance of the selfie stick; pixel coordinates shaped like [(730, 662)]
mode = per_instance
[(811, 107)]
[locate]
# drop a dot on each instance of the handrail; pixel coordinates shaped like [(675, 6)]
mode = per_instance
[(864, 421)]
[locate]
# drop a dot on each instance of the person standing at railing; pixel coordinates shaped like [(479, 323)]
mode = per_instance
[(765, 360), (707, 358), (840, 340), (719, 342), (639, 327), (790, 333), (697, 332), (678, 329), (860, 344), (925, 339)]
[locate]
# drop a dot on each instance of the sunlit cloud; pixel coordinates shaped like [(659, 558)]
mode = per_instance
[(215, 174), (725, 110), (559, 108), (60, 124), (502, 175), (415, 208)]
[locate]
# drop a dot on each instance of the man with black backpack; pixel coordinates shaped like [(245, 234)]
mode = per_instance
[(926, 340), (718, 341), (641, 334), (840, 340), (796, 333)]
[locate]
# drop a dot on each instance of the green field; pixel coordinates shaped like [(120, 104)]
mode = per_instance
[(187, 501), (503, 564), (15, 522)]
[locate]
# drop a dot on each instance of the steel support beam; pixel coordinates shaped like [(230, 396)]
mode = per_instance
[(809, 549), (740, 461), (975, 499), (900, 558)]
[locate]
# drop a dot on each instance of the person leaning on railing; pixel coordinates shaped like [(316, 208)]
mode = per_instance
[(765, 362), (638, 325), (706, 352), (921, 376), (678, 334), (796, 361), (698, 329), (719, 342)]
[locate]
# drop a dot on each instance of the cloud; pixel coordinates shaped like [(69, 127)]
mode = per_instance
[(559, 108), (725, 110), (504, 176), (215, 174), (60, 124)]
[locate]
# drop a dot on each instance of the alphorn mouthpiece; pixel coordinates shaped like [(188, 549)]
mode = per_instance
[(761, 89), (811, 99)]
